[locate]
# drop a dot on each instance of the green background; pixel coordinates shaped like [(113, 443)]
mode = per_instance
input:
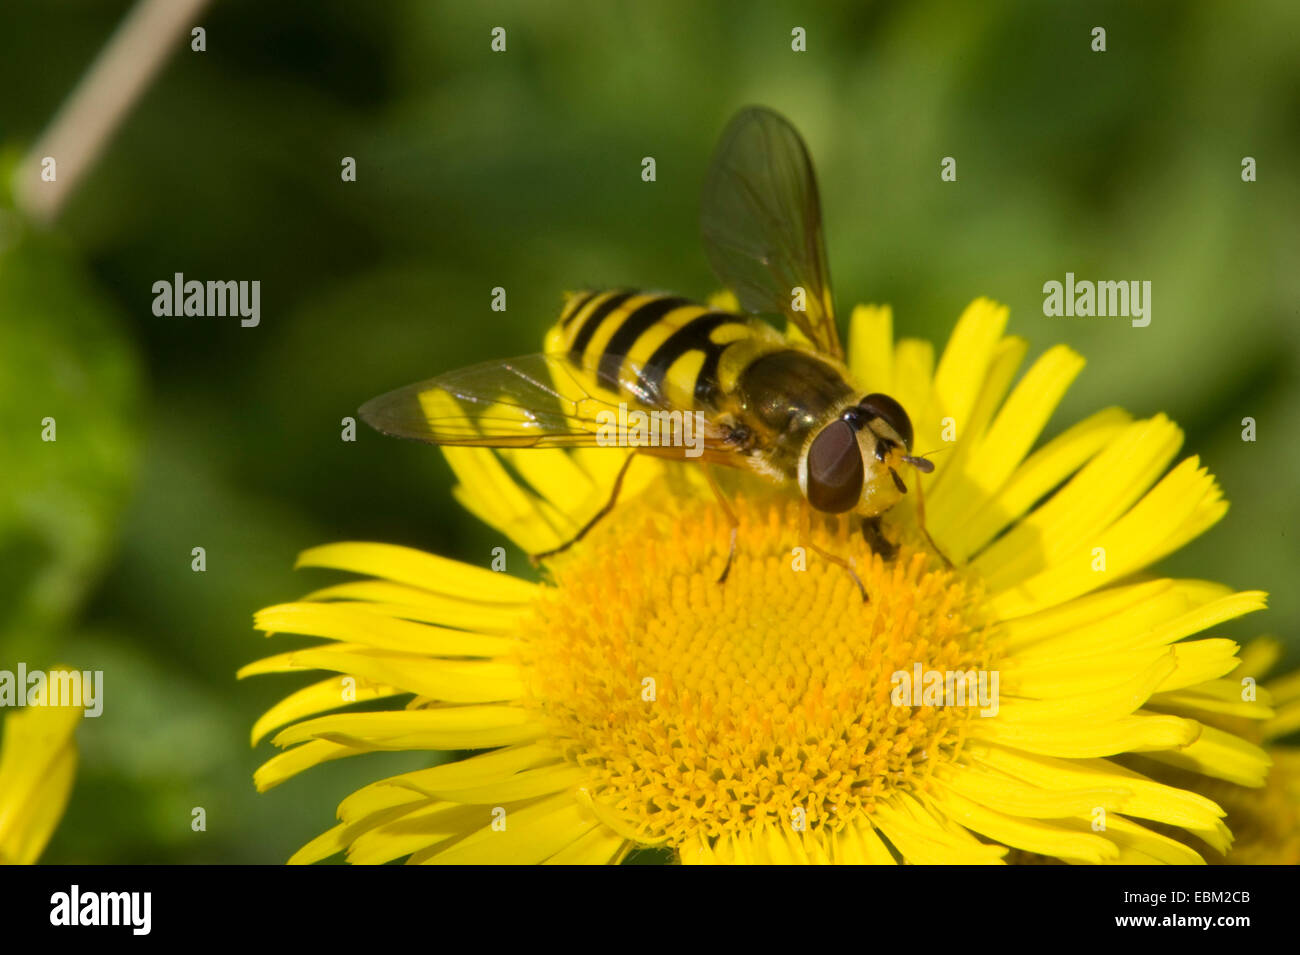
[(522, 170)]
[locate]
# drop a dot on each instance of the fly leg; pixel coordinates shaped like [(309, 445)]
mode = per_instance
[(609, 506), (731, 519), (838, 561), (920, 520)]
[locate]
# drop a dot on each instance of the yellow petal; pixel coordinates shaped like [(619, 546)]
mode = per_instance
[(1185, 502), (417, 833), (1000, 792), (355, 624), (923, 841), (1092, 500), (474, 772), (531, 835), (419, 569), (522, 786), (871, 347), (965, 363), (290, 763), (859, 844), (1040, 473), (1222, 697), (489, 492), (599, 846), (447, 681), (1259, 656), (1006, 358), (1221, 755), (913, 370), (37, 764), (452, 727), (995, 454), (1139, 733), (1099, 705), (1144, 798), (1044, 677), (1046, 838), (317, 698), (412, 603)]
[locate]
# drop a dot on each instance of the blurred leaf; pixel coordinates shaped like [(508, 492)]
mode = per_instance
[(66, 361)]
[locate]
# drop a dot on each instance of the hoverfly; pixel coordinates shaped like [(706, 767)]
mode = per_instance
[(782, 406)]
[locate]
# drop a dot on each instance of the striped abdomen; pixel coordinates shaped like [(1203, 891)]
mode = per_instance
[(670, 352), (675, 352)]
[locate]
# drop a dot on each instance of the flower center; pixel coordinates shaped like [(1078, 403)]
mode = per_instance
[(701, 708)]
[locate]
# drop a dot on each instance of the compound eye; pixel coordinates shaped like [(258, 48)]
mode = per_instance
[(835, 470), (891, 412)]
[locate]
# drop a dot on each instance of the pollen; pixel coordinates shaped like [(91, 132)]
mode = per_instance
[(699, 709)]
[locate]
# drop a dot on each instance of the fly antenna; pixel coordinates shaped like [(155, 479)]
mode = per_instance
[(920, 462)]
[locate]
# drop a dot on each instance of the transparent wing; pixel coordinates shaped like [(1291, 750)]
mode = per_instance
[(761, 221), (543, 401)]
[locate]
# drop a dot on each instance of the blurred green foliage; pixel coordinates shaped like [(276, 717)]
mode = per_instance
[(522, 170), (70, 417)]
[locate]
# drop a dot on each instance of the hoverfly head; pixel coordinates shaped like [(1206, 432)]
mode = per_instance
[(833, 470), (852, 463)]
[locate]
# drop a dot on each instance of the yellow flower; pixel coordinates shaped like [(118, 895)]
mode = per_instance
[(1265, 822), (38, 761), (633, 701)]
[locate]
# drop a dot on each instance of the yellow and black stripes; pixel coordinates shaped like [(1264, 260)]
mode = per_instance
[(574, 304), (637, 322), (663, 350)]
